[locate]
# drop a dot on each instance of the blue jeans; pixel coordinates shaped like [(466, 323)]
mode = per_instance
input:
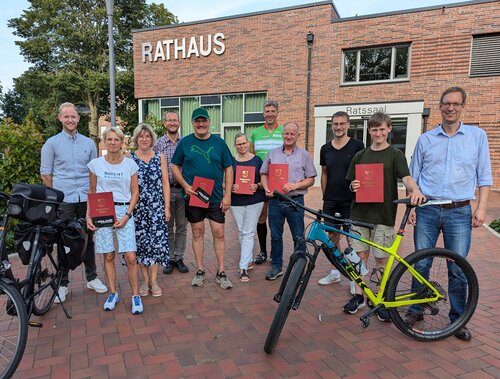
[(278, 212), (455, 224)]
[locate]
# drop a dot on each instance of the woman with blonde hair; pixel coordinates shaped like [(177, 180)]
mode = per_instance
[(117, 174)]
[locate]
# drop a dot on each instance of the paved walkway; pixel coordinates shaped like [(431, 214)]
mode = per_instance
[(211, 333)]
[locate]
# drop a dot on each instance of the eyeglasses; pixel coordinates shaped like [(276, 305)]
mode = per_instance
[(241, 144), (454, 105)]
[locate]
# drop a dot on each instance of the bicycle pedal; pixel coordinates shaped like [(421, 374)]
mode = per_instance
[(277, 297), (365, 321), (35, 324)]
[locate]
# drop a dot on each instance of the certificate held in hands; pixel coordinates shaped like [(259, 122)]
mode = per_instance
[(203, 188), (244, 178), (278, 176), (102, 209), (371, 178)]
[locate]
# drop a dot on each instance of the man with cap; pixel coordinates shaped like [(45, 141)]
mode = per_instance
[(207, 156)]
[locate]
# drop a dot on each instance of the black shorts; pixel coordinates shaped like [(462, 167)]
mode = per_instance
[(343, 207), (197, 214)]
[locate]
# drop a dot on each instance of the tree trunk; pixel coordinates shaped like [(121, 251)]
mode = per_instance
[(93, 116)]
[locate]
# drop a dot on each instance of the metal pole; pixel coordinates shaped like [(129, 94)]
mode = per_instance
[(309, 39), (111, 43)]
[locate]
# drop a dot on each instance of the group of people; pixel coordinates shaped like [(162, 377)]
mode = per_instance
[(153, 187)]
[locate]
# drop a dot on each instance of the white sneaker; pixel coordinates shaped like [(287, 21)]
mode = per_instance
[(97, 286), (352, 290), (332, 277), (62, 292)]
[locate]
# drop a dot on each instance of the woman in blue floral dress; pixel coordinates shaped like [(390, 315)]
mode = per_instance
[(152, 211)]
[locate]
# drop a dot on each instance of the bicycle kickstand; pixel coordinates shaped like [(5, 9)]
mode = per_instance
[(66, 312)]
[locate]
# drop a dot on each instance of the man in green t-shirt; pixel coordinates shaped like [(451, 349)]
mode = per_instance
[(382, 215), (263, 139), (205, 155)]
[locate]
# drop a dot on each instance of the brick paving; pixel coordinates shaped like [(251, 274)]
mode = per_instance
[(211, 333)]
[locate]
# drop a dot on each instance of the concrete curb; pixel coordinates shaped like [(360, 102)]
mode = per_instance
[(493, 231)]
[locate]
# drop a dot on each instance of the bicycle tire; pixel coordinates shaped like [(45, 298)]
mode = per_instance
[(285, 304), (13, 329), (435, 323), (45, 281)]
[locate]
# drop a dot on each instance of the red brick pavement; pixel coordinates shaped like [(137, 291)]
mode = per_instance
[(211, 333)]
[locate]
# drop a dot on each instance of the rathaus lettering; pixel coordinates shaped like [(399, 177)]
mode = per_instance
[(168, 49)]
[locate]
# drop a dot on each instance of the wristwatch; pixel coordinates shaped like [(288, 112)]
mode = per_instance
[(128, 214)]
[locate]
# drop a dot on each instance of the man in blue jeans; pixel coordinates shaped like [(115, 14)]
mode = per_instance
[(301, 173), (447, 164)]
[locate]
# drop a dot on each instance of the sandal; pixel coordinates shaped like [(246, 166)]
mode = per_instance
[(143, 290), (156, 290), (244, 276)]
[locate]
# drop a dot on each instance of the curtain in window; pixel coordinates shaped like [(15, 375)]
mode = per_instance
[(152, 108), (248, 129), (232, 108), (254, 102), (188, 105), (215, 119), (229, 136)]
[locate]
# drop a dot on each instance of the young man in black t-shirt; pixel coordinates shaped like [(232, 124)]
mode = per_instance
[(335, 158)]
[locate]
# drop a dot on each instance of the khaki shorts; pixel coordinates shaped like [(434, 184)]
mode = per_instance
[(382, 235)]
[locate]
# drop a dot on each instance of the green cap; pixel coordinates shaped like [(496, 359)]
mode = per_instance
[(200, 112)]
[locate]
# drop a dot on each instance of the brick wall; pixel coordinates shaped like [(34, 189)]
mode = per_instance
[(268, 52)]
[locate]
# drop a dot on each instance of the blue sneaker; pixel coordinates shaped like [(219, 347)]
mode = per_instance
[(111, 302), (137, 307)]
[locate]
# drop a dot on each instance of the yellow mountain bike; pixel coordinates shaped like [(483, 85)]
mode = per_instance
[(418, 302)]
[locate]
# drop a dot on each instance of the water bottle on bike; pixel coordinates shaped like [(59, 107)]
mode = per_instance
[(356, 261)]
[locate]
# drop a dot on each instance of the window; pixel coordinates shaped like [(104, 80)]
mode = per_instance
[(387, 63), (485, 55)]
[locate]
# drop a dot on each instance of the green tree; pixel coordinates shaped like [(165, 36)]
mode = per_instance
[(20, 147), (66, 41)]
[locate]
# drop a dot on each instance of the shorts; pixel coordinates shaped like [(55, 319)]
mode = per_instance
[(104, 241), (382, 235), (342, 206), (197, 214)]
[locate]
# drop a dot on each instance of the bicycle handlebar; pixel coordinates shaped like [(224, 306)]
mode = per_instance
[(321, 214), (407, 201)]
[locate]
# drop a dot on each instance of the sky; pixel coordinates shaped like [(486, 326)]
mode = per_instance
[(12, 64)]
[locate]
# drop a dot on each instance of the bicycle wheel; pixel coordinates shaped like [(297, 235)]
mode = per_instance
[(45, 281), (289, 293), (447, 272), (13, 329)]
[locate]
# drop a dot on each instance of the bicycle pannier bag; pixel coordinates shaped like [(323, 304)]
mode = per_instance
[(72, 244), (24, 237), (34, 203)]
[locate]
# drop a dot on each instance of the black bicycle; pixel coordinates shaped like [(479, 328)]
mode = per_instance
[(36, 206)]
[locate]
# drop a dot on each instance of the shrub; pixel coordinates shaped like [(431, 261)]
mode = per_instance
[(495, 225)]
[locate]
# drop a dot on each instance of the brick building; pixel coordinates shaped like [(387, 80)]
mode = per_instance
[(315, 63)]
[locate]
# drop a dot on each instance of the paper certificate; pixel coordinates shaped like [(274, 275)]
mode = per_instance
[(203, 188), (278, 176), (244, 178), (371, 178), (102, 209)]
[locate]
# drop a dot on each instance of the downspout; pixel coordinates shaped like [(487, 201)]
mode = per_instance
[(309, 39)]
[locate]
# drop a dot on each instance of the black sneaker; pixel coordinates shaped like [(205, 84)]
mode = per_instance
[(411, 318), (383, 315), (260, 258), (274, 274), (168, 268), (181, 266), (357, 302)]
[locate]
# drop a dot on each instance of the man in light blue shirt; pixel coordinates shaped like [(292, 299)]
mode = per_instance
[(63, 166), (447, 164)]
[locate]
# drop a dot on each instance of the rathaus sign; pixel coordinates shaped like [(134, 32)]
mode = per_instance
[(177, 48)]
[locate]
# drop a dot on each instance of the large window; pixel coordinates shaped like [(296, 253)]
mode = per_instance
[(387, 63), (229, 113)]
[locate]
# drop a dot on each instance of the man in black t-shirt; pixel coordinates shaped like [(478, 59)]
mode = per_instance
[(335, 158)]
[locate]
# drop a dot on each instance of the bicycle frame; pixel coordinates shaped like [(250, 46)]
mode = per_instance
[(318, 232)]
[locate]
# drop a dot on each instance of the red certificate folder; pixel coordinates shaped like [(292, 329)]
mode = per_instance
[(244, 178), (278, 176), (102, 209), (203, 188), (371, 177)]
